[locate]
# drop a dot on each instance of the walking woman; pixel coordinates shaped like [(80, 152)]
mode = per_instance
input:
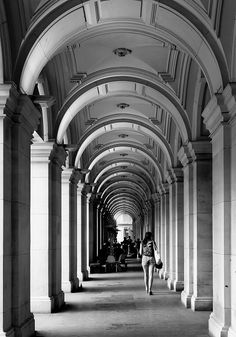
[(147, 247)]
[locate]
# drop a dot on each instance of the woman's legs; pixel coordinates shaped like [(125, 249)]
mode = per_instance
[(146, 275), (150, 277)]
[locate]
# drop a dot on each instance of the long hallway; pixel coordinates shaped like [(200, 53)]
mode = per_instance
[(115, 304)]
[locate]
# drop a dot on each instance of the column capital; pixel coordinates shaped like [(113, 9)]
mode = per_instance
[(174, 175), (186, 154), (75, 176), (26, 113), (66, 175), (197, 150), (220, 109), (4, 95), (58, 155), (40, 152)]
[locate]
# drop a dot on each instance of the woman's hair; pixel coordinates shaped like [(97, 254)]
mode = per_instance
[(148, 237)]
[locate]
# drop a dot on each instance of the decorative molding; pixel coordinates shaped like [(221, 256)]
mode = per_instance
[(170, 74), (220, 109)]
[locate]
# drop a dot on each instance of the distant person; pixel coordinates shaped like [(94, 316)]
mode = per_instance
[(147, 247)]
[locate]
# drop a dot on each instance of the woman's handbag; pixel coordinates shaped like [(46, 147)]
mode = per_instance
[(158, 262)]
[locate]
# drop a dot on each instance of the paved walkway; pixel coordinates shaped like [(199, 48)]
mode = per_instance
[(116, 305)]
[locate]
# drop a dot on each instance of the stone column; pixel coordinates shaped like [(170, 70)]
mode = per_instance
[(202, 221), (81, 234), (70, 281), (166, 227), (178, 282), (25, 121), (216, 117), (6, 326), (73, 253), (57, 159), (88, 218), (156, 201), (91, 218), (172, 234), (46, 161), (176, 230), (162, 229), (232, 328), (186, 159), (65, 231), (40, 198)]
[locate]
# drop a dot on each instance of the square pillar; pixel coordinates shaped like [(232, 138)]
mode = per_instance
[(232, 328), (202, 234), (6, 326), (46, 293), (176, 275), (82, 270), (186, 159), (70, 281), (25, 121), (216, 117), (164, 273)]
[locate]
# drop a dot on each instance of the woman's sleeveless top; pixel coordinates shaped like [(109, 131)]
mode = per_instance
[(148, 249)]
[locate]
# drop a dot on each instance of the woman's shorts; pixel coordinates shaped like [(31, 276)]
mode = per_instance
[(147, 260)]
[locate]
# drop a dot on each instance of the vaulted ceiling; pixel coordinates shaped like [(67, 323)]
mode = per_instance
[(120, 83)]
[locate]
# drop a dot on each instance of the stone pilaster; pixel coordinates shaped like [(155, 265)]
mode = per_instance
[(25, 121), (70, 281), (81, 234), (40, 197), (46, 161), (91, 229), (65, 230), (164, 191), (217, 115), (202, 222), (176, 232), (73, 252), (179, 230), (156, 215), (6, 326), (232, 328), (186, 157), (57, 160)]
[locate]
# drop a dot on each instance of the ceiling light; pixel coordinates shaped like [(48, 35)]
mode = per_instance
[(121, 52), (123, 135), (122, 105)]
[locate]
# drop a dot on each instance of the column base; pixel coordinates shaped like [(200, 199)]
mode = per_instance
[(178, 285), (66, 286), (46, 304), (42, 304), (83, 275), (232, 333), (186, 299), (201, 303), (26, 329), (215, 328), (170, 284), (75, 285), (9, 333), (58, 301)]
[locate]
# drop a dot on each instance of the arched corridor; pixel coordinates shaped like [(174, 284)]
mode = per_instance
[(117, 109), (115, 304)]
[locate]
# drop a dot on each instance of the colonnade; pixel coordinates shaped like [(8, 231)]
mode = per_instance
[(52, 225)]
